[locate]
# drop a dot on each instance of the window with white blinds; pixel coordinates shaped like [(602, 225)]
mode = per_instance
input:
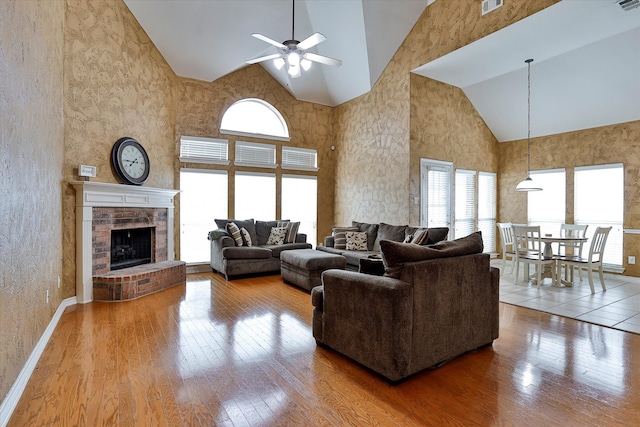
[(299, 158), (196, 149), (487, 209), (547, 208), (599, 202), (255, 154), (464, 203), (435, 187)]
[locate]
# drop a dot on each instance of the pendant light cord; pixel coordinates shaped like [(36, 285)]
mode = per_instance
[(293, 20), (529, 61)]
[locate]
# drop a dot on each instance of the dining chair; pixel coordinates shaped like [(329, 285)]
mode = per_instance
[(508, 245), (572, 230), (529, 251), (593, 262)]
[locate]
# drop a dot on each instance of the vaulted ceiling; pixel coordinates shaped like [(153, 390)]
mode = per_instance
[(586, 69)]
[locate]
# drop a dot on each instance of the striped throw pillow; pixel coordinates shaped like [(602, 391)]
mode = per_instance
[(340, 238), (246, 237), (292, 232), (234, 231)]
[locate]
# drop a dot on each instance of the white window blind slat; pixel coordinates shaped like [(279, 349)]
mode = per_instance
[(487, 196), (299, 158), (464, 203), (435, 191), (204, 150), (255, 154)]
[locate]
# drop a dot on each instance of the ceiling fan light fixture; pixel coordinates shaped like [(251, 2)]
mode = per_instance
[(305, 64), (294, 71), (293, 58)]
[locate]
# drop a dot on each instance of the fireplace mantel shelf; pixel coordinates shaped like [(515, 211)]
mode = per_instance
[(91, 195), (103, 194)]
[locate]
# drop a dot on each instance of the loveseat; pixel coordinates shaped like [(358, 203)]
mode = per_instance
[(231, 259), (374, 234), (433, 304)]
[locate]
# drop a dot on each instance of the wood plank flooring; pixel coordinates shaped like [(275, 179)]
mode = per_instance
[(241, 353)]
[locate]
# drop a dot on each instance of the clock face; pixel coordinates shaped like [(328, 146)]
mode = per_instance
[(130, 161)]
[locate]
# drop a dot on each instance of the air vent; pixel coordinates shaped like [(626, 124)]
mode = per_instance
[(491, 5), (626, 5)]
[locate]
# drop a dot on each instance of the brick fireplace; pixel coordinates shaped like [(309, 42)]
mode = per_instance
[(103, 207)]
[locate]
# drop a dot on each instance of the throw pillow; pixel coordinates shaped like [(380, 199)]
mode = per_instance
[(277, 235), (370, 229), (408, 238), (356, 241), (395, 233), (246, 237), (234, 231), (340, 238), (249, 224), (420, 236), (282, 223), (292, 232), (436, 234)]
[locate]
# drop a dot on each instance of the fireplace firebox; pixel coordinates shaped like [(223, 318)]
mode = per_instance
[(131, 247)]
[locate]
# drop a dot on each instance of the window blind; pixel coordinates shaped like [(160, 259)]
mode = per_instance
[(464, 203), (599, 202), (436, 179), (255, 154), (299, 158), (487, 209), (196, 149)]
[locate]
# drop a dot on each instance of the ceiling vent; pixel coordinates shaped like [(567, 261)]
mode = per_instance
[(491, 5), (626, 5)]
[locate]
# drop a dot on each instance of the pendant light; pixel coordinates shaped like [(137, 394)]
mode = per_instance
[(528, 184)]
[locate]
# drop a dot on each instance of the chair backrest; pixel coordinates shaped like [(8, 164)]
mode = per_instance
[(527, 240), (598, 242), (506, 236), (573, 230)]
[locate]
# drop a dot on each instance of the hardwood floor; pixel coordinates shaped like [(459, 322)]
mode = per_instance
[(241, 353)]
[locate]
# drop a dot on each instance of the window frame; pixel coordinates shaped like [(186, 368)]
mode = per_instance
[(268, 108)]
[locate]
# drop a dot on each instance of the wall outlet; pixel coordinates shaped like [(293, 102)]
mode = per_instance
[(632, 260), (47, 296)]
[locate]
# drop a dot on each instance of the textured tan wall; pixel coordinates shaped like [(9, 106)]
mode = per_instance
[(609, 144), (445, 126), (376, 170), (116, 84), (31, 151), (200, 106)]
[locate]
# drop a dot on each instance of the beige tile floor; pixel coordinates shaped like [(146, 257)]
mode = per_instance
[(618, 307)]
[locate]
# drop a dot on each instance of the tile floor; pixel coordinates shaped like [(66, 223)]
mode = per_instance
[(618, 307)]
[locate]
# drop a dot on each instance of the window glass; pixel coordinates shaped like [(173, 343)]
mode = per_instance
[(435, 188), (547, 208), (265, 120), (599, 202), (487, 209), (300, 203), (255, 196), (203, 197)]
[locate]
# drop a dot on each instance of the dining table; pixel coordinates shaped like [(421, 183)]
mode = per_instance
[(549, 240)]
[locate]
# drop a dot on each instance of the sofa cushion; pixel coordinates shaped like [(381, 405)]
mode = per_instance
[(435, 235), (330, 249), (263, 229), (395, 255), (277, 235), (276, 250), (370, 229), (353, 257), (249, 224), (244, 252), (356, 241), (234, 231), (339, 236), (394, 233)]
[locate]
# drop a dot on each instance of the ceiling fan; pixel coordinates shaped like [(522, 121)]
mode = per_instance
[(294, 52)]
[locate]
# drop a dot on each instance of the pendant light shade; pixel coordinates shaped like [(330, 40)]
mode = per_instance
[(528, 184)]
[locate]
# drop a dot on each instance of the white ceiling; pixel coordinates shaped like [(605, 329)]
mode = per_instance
[(207, 39), (586, 69), (585, 74)]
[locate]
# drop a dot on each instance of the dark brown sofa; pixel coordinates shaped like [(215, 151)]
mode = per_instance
[(434, 303)]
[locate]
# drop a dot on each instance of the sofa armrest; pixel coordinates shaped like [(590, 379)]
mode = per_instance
[(329, 241), (369, 319), (217, 245), (301, 238)]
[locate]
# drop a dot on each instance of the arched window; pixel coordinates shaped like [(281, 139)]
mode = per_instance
[(254, 117)]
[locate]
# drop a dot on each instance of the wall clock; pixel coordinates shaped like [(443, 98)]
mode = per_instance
[(130, 161)]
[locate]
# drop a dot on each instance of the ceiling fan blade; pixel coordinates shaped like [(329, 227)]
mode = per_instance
[(323, 59), (269, 40), (311, 41), (264, 58)]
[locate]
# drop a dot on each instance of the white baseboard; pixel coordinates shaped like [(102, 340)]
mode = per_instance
[(13, 397)]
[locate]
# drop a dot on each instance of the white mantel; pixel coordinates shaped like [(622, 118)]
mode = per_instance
[(100, 194)]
